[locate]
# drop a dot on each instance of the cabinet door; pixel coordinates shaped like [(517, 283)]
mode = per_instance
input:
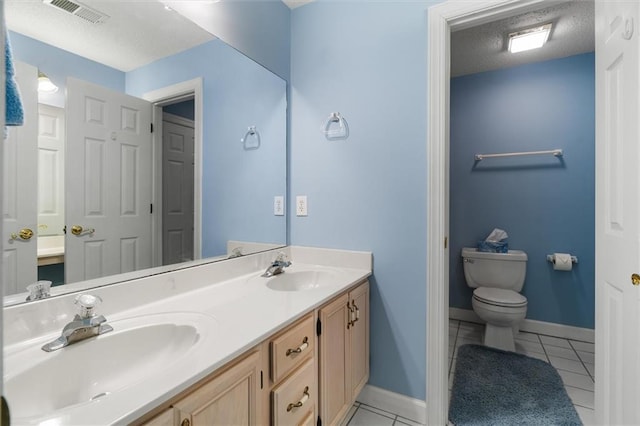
[(334, 357), (229, 399), (359, 339)]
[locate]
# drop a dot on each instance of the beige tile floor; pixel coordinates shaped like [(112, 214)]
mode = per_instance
[(573, 359)]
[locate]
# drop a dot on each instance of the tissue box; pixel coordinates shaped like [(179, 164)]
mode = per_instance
[(494, 246)]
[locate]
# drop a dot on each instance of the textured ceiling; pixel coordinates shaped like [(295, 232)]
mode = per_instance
[(484, 48), (137, 32)]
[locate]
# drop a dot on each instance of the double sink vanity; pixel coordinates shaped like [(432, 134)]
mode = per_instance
[(215, 343)]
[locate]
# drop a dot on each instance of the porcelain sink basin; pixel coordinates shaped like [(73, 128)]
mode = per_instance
[(302, 280), (42, 383)]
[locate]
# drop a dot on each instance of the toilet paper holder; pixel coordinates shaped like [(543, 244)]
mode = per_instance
[(552, 258)]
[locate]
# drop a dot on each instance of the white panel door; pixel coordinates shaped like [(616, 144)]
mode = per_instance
[(108, 180), (617, 213), (51, 141), (177, 191), (21, 188)]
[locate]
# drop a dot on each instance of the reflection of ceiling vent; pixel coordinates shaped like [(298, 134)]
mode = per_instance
[(78, 9)]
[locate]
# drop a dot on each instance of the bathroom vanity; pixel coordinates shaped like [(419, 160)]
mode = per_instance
[(280, 380), (212, 344)]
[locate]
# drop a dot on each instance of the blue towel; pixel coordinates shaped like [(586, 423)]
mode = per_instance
[(14, 113)]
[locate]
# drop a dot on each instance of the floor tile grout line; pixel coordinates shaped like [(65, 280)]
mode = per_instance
[(353, 415), (364, 407), (545, 350), (455, 341), (582, 362), (577, 387)]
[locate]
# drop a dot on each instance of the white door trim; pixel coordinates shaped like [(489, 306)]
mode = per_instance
[(442, 18), (161, 97)]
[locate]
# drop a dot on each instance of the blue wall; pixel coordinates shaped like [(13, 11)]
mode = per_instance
[(237, 93), (184, 109), (257, 28), (367, 60), (545, 204), (59, 64)]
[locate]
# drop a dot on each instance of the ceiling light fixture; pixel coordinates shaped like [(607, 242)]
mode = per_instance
[(531, 38), (45, 85)]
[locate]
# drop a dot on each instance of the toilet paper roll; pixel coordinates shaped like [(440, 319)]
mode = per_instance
[(562, 262)]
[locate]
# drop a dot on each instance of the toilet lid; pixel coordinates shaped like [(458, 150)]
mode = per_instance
[(499, 296)]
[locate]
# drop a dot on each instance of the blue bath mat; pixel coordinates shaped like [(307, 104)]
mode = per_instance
[(495, 387)]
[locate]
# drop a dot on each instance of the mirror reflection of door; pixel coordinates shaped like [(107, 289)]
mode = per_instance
[(20, 188), (177, 182), (50, 193), (108, 182)]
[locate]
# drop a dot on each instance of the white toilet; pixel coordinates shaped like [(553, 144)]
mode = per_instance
[(497, 278)]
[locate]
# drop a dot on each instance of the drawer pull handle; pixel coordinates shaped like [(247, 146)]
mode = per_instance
[(357, 312), (351, 313), (302, 347), (305, 398)]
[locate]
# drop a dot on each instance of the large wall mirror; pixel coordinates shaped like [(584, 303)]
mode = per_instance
[(92, 193)]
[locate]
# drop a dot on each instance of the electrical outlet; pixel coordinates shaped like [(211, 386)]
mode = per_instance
[(278, 205), (301, 205)]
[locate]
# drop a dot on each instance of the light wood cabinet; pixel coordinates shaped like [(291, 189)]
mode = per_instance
[(343, 352), (293, 385), (229, 398), (315, 367)]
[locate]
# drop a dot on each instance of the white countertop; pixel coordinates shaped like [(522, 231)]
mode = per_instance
[(244, 312)]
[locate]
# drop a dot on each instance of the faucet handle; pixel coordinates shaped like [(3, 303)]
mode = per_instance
[(87, 304), (39, 290)]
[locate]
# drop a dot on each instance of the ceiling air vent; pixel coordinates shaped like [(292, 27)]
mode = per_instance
[(78, 9)]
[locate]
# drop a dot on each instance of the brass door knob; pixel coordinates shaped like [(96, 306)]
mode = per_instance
[(635, 279), (79, 230), (24, 234)]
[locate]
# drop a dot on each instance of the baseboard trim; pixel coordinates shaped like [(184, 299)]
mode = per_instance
[(534, 326), (405, 406)]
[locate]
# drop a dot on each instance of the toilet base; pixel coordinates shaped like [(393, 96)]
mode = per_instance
[(499, 337)]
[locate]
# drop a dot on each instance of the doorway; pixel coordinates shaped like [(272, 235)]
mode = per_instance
[(442, 20), (177, 181), (171, 102)]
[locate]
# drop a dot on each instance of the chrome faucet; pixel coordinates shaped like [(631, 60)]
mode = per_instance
[(39, 290), (277, 266), (84, 325)]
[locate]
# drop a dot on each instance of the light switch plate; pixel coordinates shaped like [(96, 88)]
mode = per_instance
[(278, 205), (301, 205)]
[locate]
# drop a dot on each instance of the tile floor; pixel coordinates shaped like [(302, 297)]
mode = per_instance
[(574, 361), (366, 415)]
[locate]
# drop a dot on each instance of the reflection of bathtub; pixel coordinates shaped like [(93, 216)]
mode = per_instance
[(50, 250)]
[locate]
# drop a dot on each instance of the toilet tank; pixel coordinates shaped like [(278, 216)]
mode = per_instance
[(500, 270)]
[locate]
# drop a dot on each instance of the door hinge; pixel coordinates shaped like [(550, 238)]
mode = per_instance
[(151, 127), (150, 208), (318, 327), (319, 422), (261, 380), (446, 241)]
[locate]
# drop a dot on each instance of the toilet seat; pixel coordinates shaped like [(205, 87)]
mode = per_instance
[(499, 297)]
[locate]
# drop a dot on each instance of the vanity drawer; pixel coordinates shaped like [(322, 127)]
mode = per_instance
[(291, 348), (294, 400)]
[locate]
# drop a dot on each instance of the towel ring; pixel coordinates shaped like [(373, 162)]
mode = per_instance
[(251, 131), (336, 127)]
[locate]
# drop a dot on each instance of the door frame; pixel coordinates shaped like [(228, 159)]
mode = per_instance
[(442, 19), (161, 97)]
